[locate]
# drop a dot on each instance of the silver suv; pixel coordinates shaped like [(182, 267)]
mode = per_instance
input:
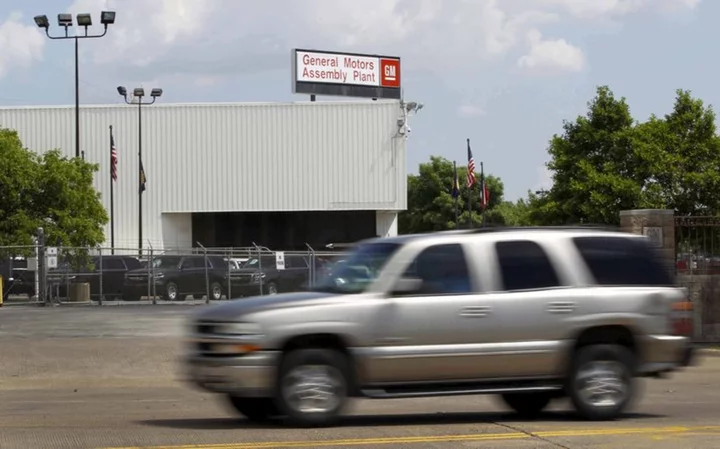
[(530, 314)]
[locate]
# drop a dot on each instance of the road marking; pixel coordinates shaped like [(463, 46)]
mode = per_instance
[(653, 431)]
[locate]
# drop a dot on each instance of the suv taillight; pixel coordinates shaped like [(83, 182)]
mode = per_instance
[(681, 318)]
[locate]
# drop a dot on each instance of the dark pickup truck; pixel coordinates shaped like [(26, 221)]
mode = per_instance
[(176, 277), (262, 271)]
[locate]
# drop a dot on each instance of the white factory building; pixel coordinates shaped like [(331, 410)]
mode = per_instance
[(279, 175)]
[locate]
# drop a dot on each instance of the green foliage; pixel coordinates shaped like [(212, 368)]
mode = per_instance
[(431, 206), (605, 162), (49, 191)]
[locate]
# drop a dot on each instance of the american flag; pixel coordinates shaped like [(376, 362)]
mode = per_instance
[(485, 193), (113, 158), (470, 167)]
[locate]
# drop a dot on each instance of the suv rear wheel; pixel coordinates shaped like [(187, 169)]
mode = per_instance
[(254, 409), (601, 384), (527, 405), (313, 386)]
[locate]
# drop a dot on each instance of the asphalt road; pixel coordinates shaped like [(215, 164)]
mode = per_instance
[(106, 377)]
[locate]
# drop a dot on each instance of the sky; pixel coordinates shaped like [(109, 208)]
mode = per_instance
[(502, 73)]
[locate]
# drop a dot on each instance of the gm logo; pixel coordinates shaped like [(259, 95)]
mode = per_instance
[(389, 72)]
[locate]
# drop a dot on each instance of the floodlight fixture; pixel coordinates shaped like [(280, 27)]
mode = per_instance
[(107, 18), (122, 91), (42, 22), (138, 92), (156, 92), (84, 20), (65, 20)]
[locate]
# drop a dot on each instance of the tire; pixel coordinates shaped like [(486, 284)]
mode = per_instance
[(216, 291), (171, 292), (527, 405), (615, 364), (271, 289), (254, 409), (331, 370)]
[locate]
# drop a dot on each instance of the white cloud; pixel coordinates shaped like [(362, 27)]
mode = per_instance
[(469, 111), (20, 44), (551, 56), (212, 39)]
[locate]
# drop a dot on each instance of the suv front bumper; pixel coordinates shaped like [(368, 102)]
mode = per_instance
[(665, 353), (250, 375)]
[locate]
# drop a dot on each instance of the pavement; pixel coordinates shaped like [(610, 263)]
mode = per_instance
[(107, 377)]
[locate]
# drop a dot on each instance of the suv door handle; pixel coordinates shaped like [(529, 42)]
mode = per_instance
[(562, 307), (475, 311)]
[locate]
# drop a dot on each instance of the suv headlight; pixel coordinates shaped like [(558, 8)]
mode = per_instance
[(256, 277)]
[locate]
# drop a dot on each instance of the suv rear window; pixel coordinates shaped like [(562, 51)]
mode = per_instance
[(622, 261)]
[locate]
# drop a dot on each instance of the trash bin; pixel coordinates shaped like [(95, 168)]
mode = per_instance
[(79, 292)]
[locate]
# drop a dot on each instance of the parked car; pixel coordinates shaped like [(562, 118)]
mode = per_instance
[(17, 279), (176, 277), (531, 315), (110, 271), (263, 270)]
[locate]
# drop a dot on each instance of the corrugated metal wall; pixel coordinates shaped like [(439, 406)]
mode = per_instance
[(232, 157)]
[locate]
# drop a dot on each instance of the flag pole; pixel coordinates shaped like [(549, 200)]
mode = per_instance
[(482, 194), (470, 190), (456, 192), (112, 197)]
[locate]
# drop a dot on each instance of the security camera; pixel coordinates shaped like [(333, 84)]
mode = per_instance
[(408, 129)]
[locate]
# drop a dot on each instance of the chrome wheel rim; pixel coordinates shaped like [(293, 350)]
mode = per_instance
[(216, 292), (313, 389), (603, 383), (172, 291), (272, 290)]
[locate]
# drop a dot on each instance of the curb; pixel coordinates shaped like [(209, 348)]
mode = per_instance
[(50, 304), (708, 352)]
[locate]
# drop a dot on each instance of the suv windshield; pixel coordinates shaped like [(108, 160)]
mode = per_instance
[(354, 273)]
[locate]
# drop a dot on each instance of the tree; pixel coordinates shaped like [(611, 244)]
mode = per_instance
[(594, 164), (682, 158), (431, 206), (605, 162), (49, 191)]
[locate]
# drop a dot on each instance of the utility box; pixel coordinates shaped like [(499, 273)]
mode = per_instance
[(79, 292)]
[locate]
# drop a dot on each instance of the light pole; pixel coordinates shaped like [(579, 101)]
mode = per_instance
[(83, 20), (138, 94)]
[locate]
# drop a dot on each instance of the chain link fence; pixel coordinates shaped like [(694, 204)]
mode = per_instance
[(151, 276)]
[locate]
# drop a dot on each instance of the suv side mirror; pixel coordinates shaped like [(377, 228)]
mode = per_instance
[(406, 286)]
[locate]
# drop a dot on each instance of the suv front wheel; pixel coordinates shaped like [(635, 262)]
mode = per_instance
[(313, 386), (601, 383)]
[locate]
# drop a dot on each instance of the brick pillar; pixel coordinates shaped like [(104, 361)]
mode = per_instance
[(658, 225)]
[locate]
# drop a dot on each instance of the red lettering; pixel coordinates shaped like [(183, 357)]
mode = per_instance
[(320, 61)]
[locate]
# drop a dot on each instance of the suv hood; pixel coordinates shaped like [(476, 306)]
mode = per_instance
[(239, 307)]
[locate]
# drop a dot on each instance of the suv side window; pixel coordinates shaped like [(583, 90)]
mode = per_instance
[(525, 265), (622, 261), (191, 262), (443, 270)]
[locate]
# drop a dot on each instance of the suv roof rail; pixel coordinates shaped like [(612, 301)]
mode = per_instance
[(501, 228)]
